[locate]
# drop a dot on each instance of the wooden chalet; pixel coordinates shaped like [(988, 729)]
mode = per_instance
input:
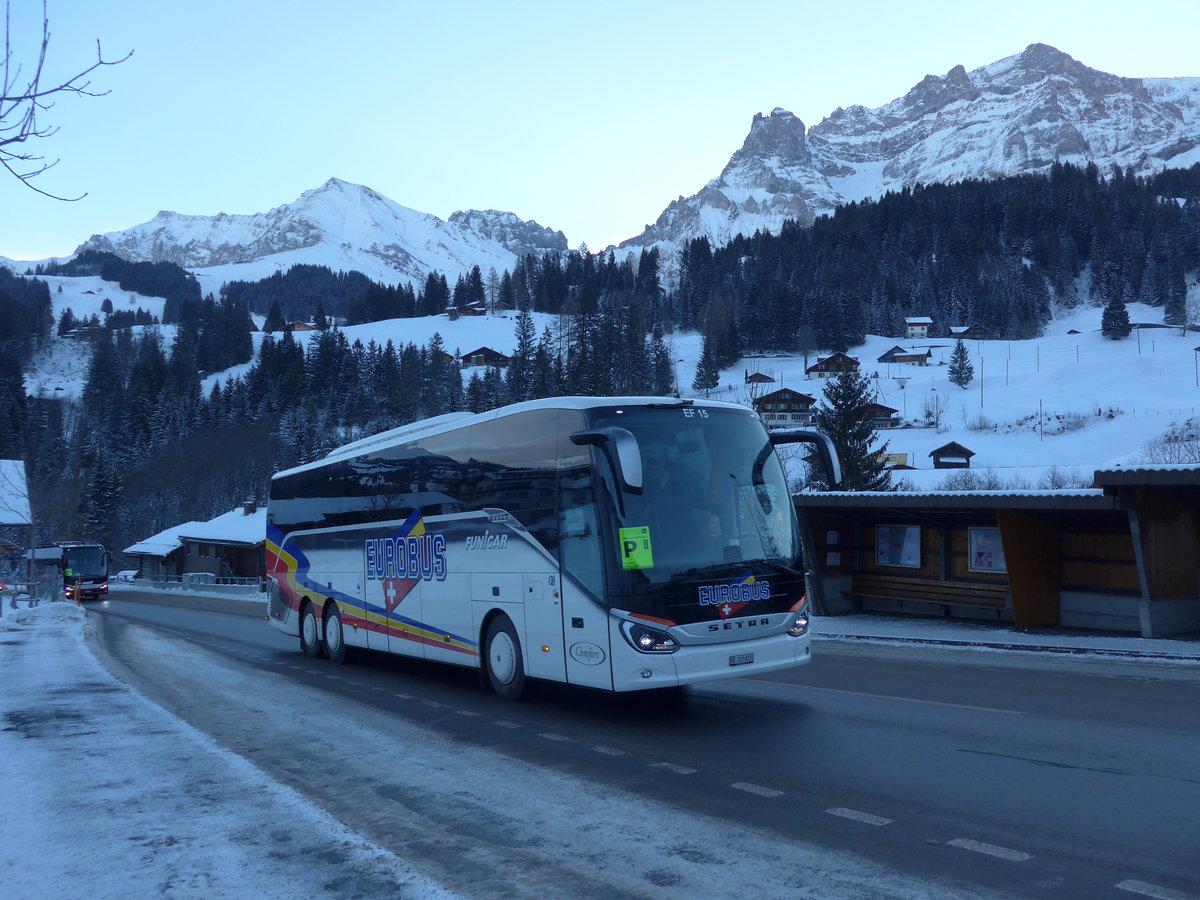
[(907, 357), (952, 456), (974, 332), (917, 326), (883, 416), (758, 378), (486, 356), (785, 408), (832, 366)]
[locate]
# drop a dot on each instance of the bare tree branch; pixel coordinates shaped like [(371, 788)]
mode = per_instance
[(23, 97)]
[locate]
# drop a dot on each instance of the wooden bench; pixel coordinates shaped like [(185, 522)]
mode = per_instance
[(986, 594)]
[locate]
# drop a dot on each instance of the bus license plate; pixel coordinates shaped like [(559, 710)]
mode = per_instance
[(741, 659)]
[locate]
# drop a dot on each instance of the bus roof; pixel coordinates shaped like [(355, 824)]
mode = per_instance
[(452, 421)]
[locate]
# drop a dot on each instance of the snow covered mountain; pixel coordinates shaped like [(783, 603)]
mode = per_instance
[(1018, 115), (340, 225)]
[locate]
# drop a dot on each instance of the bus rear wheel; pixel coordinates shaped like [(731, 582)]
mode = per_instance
[(310, 631), (335, 638), (502, 659)]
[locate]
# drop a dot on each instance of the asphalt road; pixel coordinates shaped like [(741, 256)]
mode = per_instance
[(1008, 775)]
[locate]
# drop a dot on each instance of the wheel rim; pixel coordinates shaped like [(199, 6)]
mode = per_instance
[(333, 632), (502, 657), (310, 627)]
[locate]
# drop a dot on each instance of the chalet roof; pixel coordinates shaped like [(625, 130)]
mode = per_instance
[(952, 449), (878, 409), (783, 395), (918, 320), (484, 351), (1181, 475), (1079, 499), (162, 544), (759, 378), (832, 360), (893, 353), (234, 527)]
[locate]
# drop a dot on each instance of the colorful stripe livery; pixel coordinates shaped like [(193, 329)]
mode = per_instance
[(380, 610)]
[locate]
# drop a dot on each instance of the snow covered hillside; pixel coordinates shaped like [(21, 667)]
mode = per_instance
[(1100, 401)]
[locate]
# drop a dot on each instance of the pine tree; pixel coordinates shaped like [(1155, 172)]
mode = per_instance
[(845, 416), (520, 384), (101, 499), (662, 369), (1114, 323), (960, 370), (12, 403), (708, 374), (274, 318)]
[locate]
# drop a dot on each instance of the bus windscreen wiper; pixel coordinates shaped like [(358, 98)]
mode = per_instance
[(671, 404)]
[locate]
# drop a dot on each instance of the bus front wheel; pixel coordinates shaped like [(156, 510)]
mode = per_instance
[(310, 631), (502, 659)]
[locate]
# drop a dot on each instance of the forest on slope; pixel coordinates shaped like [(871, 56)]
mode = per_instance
[(145, 448)]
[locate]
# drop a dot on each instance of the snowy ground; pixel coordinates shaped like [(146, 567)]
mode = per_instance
[(107, 795)]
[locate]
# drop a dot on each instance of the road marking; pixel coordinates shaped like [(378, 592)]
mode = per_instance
[(671, 767), (858, 816), (1152, 890), (610, 751), (992, 709), (990, 850), (756, 789)]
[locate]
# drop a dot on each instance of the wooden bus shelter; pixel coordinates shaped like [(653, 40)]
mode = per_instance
[(1035, 559)]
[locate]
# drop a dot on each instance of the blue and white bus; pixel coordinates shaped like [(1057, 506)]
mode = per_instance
[(615, 543)]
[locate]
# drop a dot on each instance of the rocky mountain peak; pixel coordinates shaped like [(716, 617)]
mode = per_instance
[(933, 93), (513, 233), (1017, 115), (779, 134)]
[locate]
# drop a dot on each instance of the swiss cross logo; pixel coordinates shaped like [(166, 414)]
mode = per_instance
[(395, 590), (725, 610)]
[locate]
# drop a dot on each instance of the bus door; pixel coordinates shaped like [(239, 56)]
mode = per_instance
[(584, 617)]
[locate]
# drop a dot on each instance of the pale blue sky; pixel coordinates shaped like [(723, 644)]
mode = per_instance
[(589, 119)]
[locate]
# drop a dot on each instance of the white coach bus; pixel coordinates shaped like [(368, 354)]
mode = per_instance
[(619, 543)]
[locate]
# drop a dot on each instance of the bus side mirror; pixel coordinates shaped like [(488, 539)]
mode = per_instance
[(826, 454), (621, 448)]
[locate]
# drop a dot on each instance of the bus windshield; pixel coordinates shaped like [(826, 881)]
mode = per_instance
[(715, 508), (85, 562)]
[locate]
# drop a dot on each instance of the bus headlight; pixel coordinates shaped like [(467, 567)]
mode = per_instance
[(800, 622), (649, 640)]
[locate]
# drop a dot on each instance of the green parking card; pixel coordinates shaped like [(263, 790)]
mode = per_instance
[(636, 550)]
